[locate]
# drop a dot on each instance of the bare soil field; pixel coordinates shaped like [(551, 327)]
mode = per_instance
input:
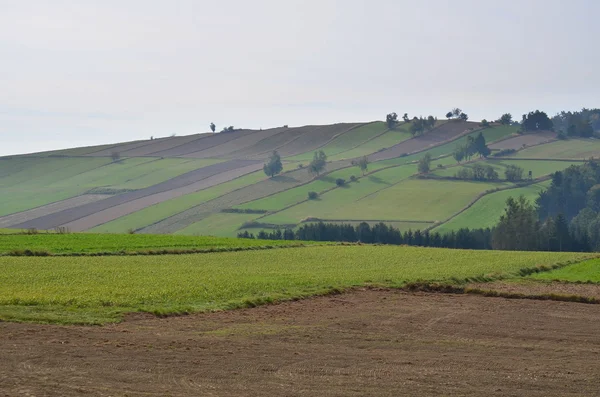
[(274, 142), (203, 143), (527, 140), (537, 288), (446, 132), (315, 138), (64, 217), (20, 217), (161, 144), (384, 343), (236, 144)]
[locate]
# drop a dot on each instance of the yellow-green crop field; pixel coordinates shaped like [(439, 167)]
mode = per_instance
[(100, 289)]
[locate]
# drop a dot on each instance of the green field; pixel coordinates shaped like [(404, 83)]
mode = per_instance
[(538, 168), (218, 224), (584, 272), (410, 200), (570, 149), (487, 210), (115, 243), (101, 289), (352, 139), (157, 212), (383, 141)]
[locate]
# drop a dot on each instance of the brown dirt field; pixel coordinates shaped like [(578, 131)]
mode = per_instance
[(234, 145), (124, 147), (540, 288), (204, 143), (181, 181), (163, 144), (444, 133), (315, 138), (24, 216), (528, 140), (385, 343), (265, 146)]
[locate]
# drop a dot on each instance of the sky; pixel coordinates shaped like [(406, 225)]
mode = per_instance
[(84, 72)]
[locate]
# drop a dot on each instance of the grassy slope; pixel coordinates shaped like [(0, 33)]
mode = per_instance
[(100, 289), (538, 168), (383, 141), (350, 140), (112, 243), (487, 210), (570, 149), (588, 271), (490, 134), (218, 224), (163, 210), (415, 200)]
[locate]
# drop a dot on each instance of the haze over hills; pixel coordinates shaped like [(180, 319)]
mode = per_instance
[(214, 183)]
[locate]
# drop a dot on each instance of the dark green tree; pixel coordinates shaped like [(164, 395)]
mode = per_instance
[(363, 164), (273, 166), (505, 119), (518, 227), (318, 163), (536, 121), (425, 163), (391, 120), (213, 127), (513, 173)]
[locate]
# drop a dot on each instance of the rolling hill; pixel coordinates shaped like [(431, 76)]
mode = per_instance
[(213, 184)]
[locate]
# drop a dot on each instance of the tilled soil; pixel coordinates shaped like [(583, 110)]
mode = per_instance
[(362, 343), (533, 288)]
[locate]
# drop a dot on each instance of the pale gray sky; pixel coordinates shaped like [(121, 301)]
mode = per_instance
[(84, 72)]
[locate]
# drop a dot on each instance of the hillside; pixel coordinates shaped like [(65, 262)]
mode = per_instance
[(213, 184)]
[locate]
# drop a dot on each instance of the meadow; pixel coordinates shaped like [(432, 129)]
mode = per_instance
[(89, 243), (486, 211), (95, 290), (583, 272), (538, 168), (570, 149)]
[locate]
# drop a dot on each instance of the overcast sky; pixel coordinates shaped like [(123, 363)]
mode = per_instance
[(80, 72)]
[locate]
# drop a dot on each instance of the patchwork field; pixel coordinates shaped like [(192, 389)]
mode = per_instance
[(582, 149)]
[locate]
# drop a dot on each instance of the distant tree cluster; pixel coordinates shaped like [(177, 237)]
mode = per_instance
[(457, 114), (419, 125), (478, 172), (536, 121), (391, 120), (473, 146), (228, 129), (584, 123), (505, 119)]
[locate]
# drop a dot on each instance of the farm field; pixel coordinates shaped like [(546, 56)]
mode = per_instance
[(486, 211), (157, 212), (582, 149), (74, 243), (538, 168), (423, 200), (218, 224), (584, 272), (101, 289), (368, 342), (354, 138)]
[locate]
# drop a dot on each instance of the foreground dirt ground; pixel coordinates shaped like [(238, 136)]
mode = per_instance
[(367, 342)]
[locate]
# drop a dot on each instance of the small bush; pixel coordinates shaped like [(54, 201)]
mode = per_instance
[(313, 195), (340, 181), (504, 152), (62, 230), (131, 231), (353, 178), (440, 166), (300, 166), (32, 230)]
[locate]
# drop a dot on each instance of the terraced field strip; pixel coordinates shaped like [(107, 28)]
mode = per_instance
[(256, 191), (203, 143), (353, 139), (314, 138), (129, 207), (123, 147), (266, 146), (584, 272), (446, 149), (486, 211), (101, 289), (415, 199), (217, 224), (581, 149), (186, 183), (155, 213), (89, 243), (24, 216), (162, 144), (444, 133), (234, 145), (538, 168), (520, 141)]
